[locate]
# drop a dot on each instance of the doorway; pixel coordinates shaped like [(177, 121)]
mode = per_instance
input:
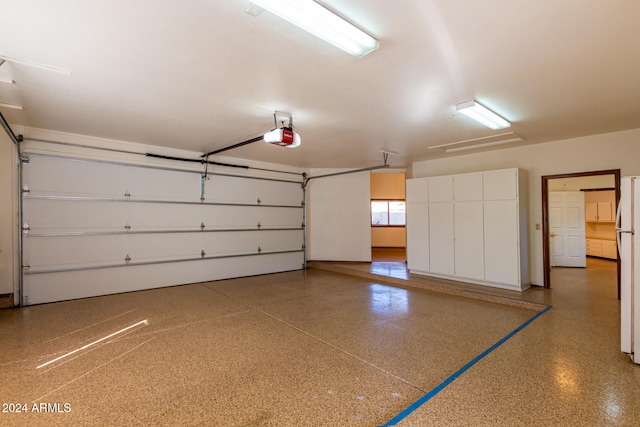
[(547, 183), (388, 216)]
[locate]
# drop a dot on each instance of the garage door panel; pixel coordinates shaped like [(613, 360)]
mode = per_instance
[(83, 233), (65, 251), (60, 215), (78, 177), (230, 190), (47, 287)]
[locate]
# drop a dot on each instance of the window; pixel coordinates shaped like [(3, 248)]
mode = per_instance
[(388, 212)]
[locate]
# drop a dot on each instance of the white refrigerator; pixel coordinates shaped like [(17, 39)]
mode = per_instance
[(627, 221)]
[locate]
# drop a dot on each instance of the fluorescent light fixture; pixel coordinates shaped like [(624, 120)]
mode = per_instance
[(482, 115), (34, 65), (321, 22), (14, 107), (7, 81), (486, 144)]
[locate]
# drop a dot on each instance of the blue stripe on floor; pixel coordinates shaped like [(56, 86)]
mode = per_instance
[(415, 405)]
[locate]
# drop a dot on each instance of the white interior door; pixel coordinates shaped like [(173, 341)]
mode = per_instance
[(566, 229)]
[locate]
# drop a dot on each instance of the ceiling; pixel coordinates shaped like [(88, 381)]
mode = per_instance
[(202, 75)]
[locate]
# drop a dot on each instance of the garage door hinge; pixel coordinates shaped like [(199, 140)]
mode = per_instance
[(127, 259), (24, 159), (25, 228), (25, 189), (26, 267)]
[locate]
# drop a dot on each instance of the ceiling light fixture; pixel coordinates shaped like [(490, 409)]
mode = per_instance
[(482, 115), (321, 22), (7, 81)]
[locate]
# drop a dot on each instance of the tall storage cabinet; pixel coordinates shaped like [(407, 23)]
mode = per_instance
[(417, 227), (470, 227)]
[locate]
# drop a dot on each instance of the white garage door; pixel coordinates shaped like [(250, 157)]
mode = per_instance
[(95, 227)]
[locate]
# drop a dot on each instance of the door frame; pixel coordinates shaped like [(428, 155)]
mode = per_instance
[(545, 217)]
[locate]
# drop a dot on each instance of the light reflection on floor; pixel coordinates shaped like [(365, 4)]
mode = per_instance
[(389, 300), (392, 269)]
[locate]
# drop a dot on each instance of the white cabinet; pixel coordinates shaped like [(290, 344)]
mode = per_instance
[(441, 238), (417, 235), (467, 187), (599, 212), (501, 184), (602, 248), (469, 240), (417, 227), (501, 237), (475, 225), (610, 249), (417, 190), (441, 189)]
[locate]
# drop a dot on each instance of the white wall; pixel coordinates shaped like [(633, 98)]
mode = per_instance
[(338, 225), (7, 217), (618, 150)]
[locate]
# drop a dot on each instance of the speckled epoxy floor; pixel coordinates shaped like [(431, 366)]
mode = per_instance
[(319, 348)]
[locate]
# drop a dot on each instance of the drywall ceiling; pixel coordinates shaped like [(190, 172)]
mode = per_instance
[(201, 75)]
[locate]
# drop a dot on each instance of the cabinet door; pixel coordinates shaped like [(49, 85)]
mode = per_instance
[(595, 248), (469, 240), (501, 246), (500, 184), (441, 238), (609, 249), (441, 189), (591, 212), (604, 212), (418, 236), (467, 187), (417, 190)]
